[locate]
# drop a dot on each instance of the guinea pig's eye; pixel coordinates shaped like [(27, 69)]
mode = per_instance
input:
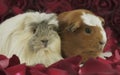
[(52, 27), (88, 30), (33, 28)]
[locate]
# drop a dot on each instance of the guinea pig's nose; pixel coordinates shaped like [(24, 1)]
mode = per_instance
[(101, 42), (44, 42)]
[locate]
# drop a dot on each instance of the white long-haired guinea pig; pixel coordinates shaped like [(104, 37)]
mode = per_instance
[(32, 36)]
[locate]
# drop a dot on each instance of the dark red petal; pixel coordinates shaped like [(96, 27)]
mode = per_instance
[(71, 65), (14, 60), (93, 66), (104, 60), (111, 40), (17, 10), (17, 70), (39, 67), (4, 63), (2, 57), (118, 68), (54, 71), (117, 55), (72, 60), (65, 66), (2, 72), (3, 7), (37, 72)]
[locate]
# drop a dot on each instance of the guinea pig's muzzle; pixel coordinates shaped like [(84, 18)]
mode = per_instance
[(102, 44), (44, 42)]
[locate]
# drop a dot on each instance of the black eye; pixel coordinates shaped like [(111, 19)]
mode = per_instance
[(33, 27), (88, 30), (34, 30), (52, 27)]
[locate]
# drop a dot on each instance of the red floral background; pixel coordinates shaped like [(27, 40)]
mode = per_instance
[(108, 9)]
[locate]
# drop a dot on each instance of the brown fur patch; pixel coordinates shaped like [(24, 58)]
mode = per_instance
[(79, 42)]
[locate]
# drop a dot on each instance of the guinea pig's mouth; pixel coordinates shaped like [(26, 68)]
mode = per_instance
[(91, 50), (39, 48), (90, 54)]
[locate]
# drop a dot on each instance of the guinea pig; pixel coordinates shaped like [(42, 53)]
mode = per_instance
[(81, 33), (33, 37)]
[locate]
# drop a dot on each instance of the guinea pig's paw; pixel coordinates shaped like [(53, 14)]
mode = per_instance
[(105, 54)]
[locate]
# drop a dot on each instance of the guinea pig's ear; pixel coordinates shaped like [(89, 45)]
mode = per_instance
[(73, 26), (29, 25), (62, 18), (62, 15), (102, 20), (69, 21)]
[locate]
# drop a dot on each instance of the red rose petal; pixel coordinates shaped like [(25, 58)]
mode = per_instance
[(94, 66), (71, 65), (65, 66), (17, 70), (117, 55), (39, 67), (74, 60), (104, 60), (2, 57), (54, 71), (2, 72), (111, 40), (118, 68), (14, 60), (3, 7), (17, 10), (37, 72), (58, 7), (4, 61)]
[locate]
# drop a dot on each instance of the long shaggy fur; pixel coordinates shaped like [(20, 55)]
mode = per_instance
[(15, 35)]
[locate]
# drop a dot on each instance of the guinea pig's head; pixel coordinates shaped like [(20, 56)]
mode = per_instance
[(43, 29), (44, 35), (82, 33)]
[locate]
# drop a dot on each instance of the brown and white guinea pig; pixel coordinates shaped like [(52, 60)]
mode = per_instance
[(32, 36), (82, 33)]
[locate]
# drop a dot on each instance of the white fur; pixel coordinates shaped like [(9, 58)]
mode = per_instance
[(105, 54), (14, 36), (92, 20)]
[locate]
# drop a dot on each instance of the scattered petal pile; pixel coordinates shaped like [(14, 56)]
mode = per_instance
[(68, 66)]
